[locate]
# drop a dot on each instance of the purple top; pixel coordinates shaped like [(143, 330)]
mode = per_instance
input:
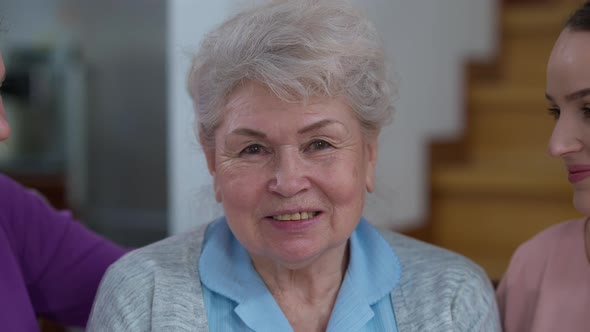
[(50, 264)]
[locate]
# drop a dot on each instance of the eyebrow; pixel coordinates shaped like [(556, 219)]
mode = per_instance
[(255, 133), (548, 97), (572, 96), (317, 125), (249, 132)]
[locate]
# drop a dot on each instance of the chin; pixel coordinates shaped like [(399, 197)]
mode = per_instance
[(582, 201)]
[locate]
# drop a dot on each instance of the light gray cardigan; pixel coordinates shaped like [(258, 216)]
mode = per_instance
[(157, 288)]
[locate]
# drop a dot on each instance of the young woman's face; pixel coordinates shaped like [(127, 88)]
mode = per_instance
[(568, 94), (4, 127)]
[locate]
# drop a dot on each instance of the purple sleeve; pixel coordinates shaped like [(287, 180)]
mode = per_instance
[(61, 261)]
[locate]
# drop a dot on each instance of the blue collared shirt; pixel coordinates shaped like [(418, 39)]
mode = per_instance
[(236, 298)]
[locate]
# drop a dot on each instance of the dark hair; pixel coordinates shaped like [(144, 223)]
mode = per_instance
[(580, 19)]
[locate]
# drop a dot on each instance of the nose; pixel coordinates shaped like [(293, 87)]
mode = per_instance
[(290, 174), (565, 137)]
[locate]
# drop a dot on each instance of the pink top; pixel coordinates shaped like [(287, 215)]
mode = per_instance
[(547, 284)]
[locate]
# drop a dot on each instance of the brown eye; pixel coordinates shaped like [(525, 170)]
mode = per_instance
[(318, 145), (554, 112), (253, 149)]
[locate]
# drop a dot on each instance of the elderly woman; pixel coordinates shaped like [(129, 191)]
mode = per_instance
[(290, 99), (547, 284)]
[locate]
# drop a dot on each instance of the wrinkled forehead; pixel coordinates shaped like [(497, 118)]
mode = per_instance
[(257, 106)]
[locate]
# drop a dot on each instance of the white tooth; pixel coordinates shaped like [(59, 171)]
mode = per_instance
[(304, 215), (296, 216)]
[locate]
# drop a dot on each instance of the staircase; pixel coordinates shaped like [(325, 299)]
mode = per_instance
[(497, 186)]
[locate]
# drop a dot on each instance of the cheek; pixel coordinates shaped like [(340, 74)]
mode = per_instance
[(586, 134), (239, 185), (343, 181)]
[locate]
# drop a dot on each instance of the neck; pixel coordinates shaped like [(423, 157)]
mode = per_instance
[(306, 292), (313, 282)]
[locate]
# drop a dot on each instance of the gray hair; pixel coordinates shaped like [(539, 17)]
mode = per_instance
[(298, 49)]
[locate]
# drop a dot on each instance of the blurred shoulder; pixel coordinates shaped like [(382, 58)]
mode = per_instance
[(9, 188), (532, 256), (548, 239), (7, 183), (14, 195)]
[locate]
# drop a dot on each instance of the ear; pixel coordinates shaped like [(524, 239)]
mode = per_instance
[(210, 157), (371, 150)]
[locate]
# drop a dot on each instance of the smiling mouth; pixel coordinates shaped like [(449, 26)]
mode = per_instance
[(295, 216)]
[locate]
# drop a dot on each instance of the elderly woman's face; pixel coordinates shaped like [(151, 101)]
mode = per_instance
[(568, 93), (291, 177)]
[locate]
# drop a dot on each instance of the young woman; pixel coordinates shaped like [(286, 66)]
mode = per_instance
[(547, 285)]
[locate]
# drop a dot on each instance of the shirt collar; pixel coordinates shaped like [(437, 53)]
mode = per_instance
[(373, 272), (374, 269), (225, 268)]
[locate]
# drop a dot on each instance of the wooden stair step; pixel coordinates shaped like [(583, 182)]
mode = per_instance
[(490, 232), (526, 61), (506, 94), (528, 35), (488, 229), (507, 116), (539, 178), (524, 19), (519, 130)]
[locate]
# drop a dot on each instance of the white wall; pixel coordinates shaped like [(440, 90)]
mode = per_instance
[(189, 182), (427, 42)]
